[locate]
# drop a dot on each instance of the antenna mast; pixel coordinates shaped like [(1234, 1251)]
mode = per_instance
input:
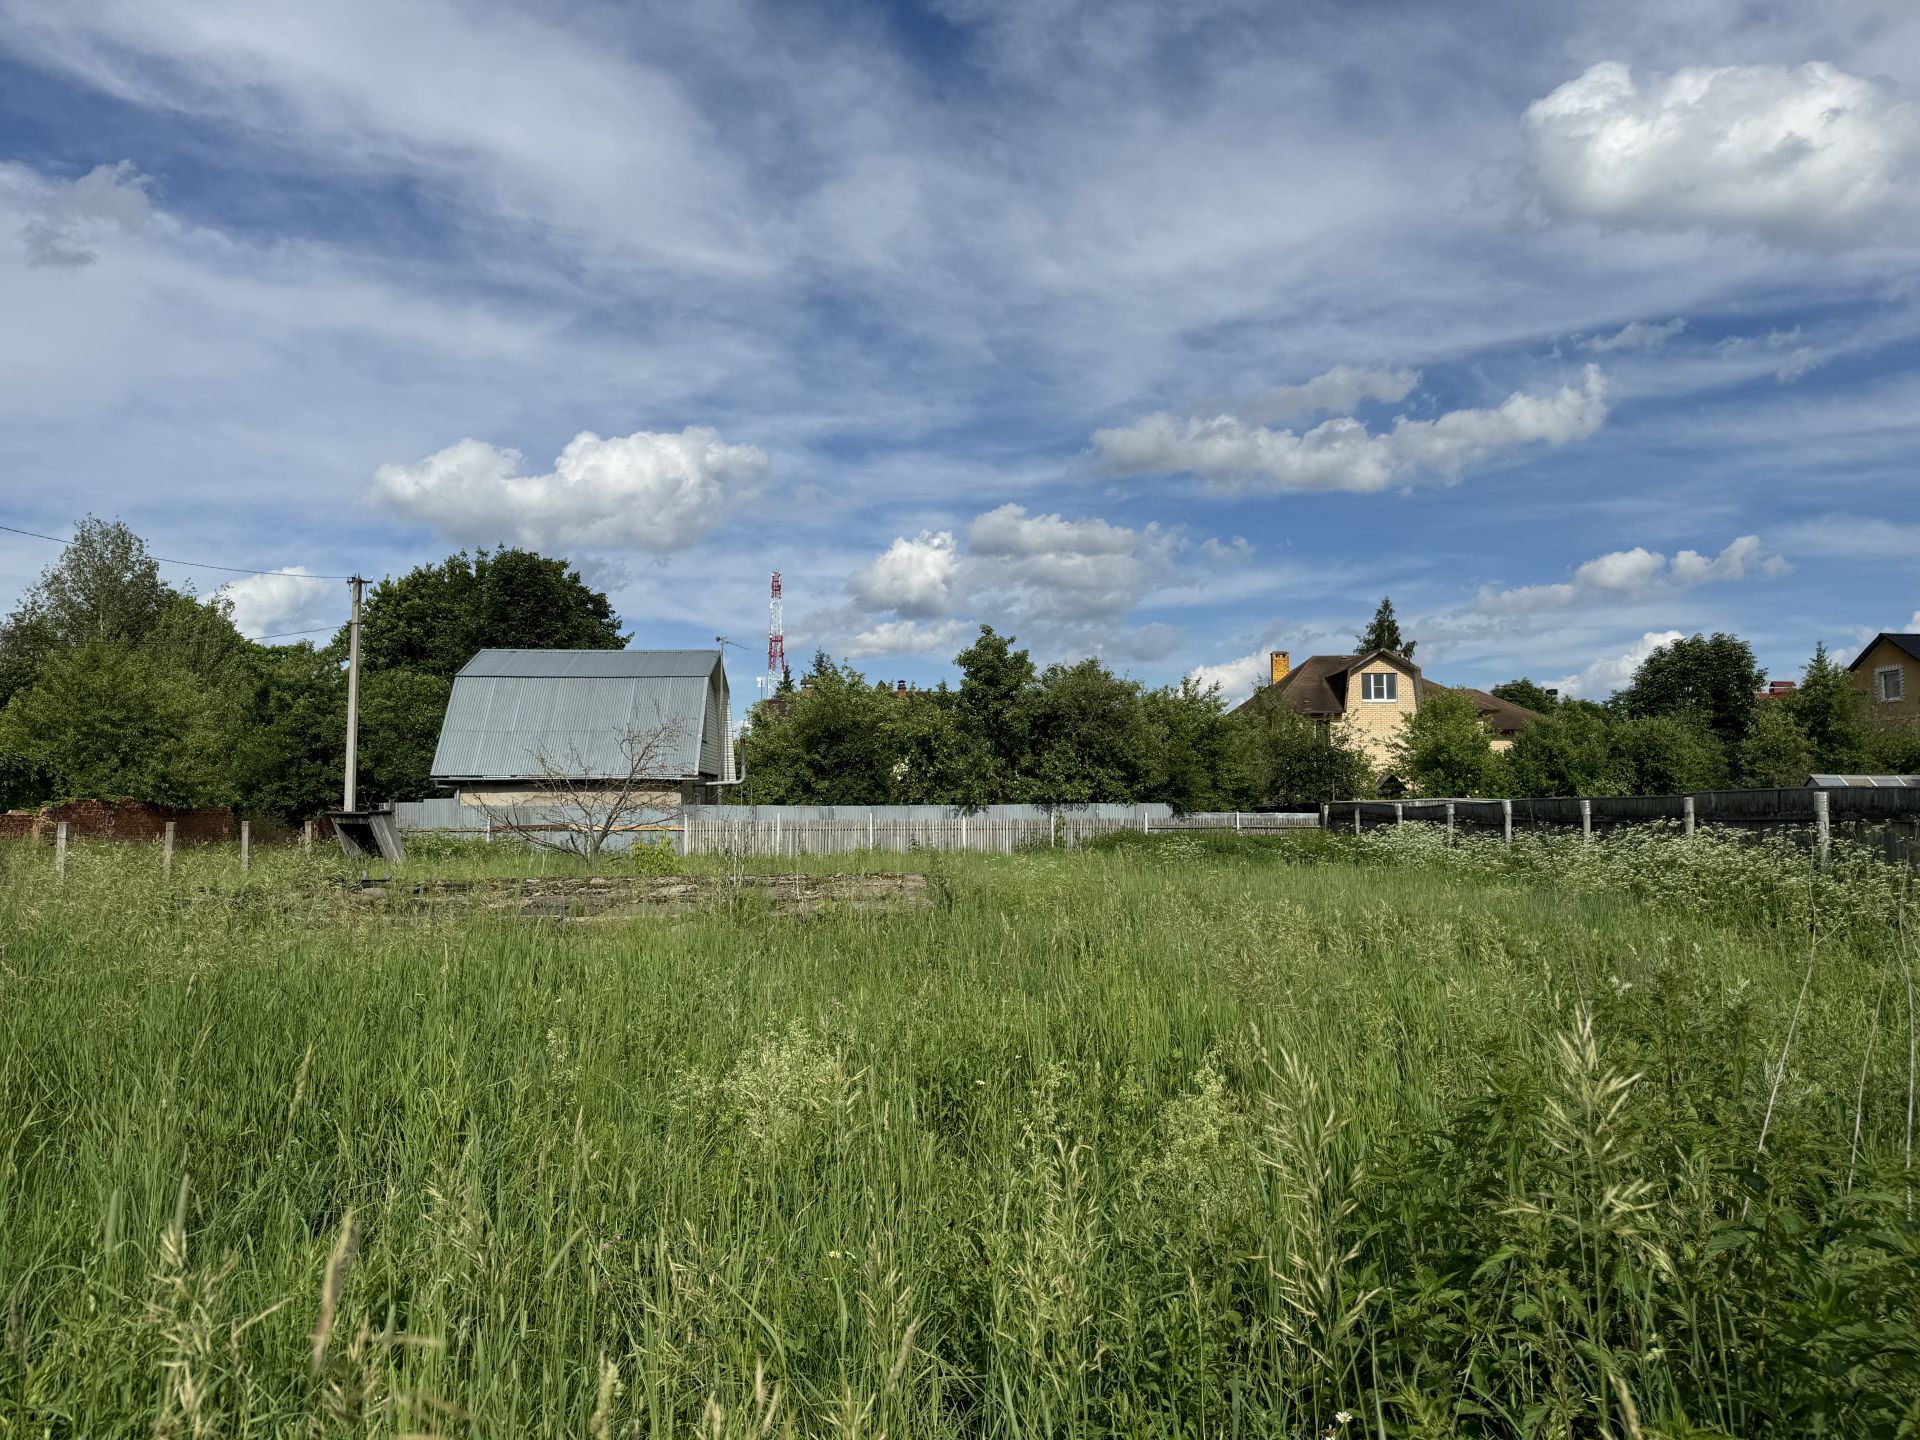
[(776, 638)]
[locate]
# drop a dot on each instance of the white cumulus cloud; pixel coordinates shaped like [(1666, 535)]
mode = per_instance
[(1803, 155), (1633, 575), (1609, 673), (1051, 579), (1341, 454), (647, 490), (913, 578), (905, 637), (1236, 678), (292, 600)]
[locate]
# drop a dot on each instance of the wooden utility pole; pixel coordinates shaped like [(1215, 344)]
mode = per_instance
[(353, 697)]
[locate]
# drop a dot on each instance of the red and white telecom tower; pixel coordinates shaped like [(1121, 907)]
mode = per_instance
[(776, 638)]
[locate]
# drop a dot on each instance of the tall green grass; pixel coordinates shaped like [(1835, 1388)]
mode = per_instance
[(1185, 1138)]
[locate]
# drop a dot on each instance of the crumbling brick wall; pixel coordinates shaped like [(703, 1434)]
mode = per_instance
[(120, 820)]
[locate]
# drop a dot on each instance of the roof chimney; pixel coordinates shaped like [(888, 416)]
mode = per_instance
[(899, 687), (1279, 662)]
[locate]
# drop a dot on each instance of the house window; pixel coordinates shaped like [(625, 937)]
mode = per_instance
[(1887, 683), (1380, 687)]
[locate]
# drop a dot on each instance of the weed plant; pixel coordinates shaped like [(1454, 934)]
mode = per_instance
[(1188, 1137)]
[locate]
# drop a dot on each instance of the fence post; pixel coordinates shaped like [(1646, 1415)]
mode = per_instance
[(963, 832), (1356, 817), (1686, 816), (246, 845), (1053, 828), (1822, 827), (1586, 820), (870, 842), (1506, 822), (306, 837), (60, 849), (1143, 819), (1236, 822), (1399, 812), (166, 852), (1449, 822)]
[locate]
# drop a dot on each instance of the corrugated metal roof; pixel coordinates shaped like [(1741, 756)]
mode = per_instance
[(603, 664), (516, 714), (1864, 782)]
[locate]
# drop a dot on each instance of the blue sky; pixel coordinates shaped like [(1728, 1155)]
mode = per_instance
[(1167, 333)]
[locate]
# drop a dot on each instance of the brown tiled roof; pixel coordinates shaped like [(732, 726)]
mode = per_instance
[(1318, 686), (1503, 717)]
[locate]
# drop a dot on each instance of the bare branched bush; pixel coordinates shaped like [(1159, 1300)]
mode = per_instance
[(582, 810)]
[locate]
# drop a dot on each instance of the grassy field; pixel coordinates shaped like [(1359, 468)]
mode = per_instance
[(1298, 1137)]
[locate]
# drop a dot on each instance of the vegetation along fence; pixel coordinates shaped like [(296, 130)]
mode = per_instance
[(1884, 819)]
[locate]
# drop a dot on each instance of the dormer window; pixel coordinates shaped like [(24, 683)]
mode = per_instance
[(1378, 686), (1887, 682)]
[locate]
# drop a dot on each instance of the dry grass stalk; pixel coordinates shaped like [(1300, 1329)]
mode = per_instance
[(339, 1262)]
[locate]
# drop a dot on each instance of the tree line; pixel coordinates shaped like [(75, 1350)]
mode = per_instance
[(1690, 719), (114, 683)]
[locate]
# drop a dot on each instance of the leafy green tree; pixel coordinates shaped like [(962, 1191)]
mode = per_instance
[(1288, 759), (1383, 633), (436, 617), (1574, 749), (1191, 761), (1776, 751), (104, 587), (935, 759), (1672, 754), (1715, 676), (1894, 749), (104, 720), (400, 716), (827, 744), (1832, 713), (1527, 695), (1444, 747), (1087, 735), (23, 784), (996, 682), (290, 748)]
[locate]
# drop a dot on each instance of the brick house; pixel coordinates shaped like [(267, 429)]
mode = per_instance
[(1889, 671), (1373, 693)]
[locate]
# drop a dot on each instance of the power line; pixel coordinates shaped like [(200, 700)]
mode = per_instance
[(193, 564)]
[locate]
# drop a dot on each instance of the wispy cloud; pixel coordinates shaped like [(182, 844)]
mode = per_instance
[(1342, 454)]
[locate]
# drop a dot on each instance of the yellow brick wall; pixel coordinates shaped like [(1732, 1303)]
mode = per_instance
[(1882, 656), (1375, 724)]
